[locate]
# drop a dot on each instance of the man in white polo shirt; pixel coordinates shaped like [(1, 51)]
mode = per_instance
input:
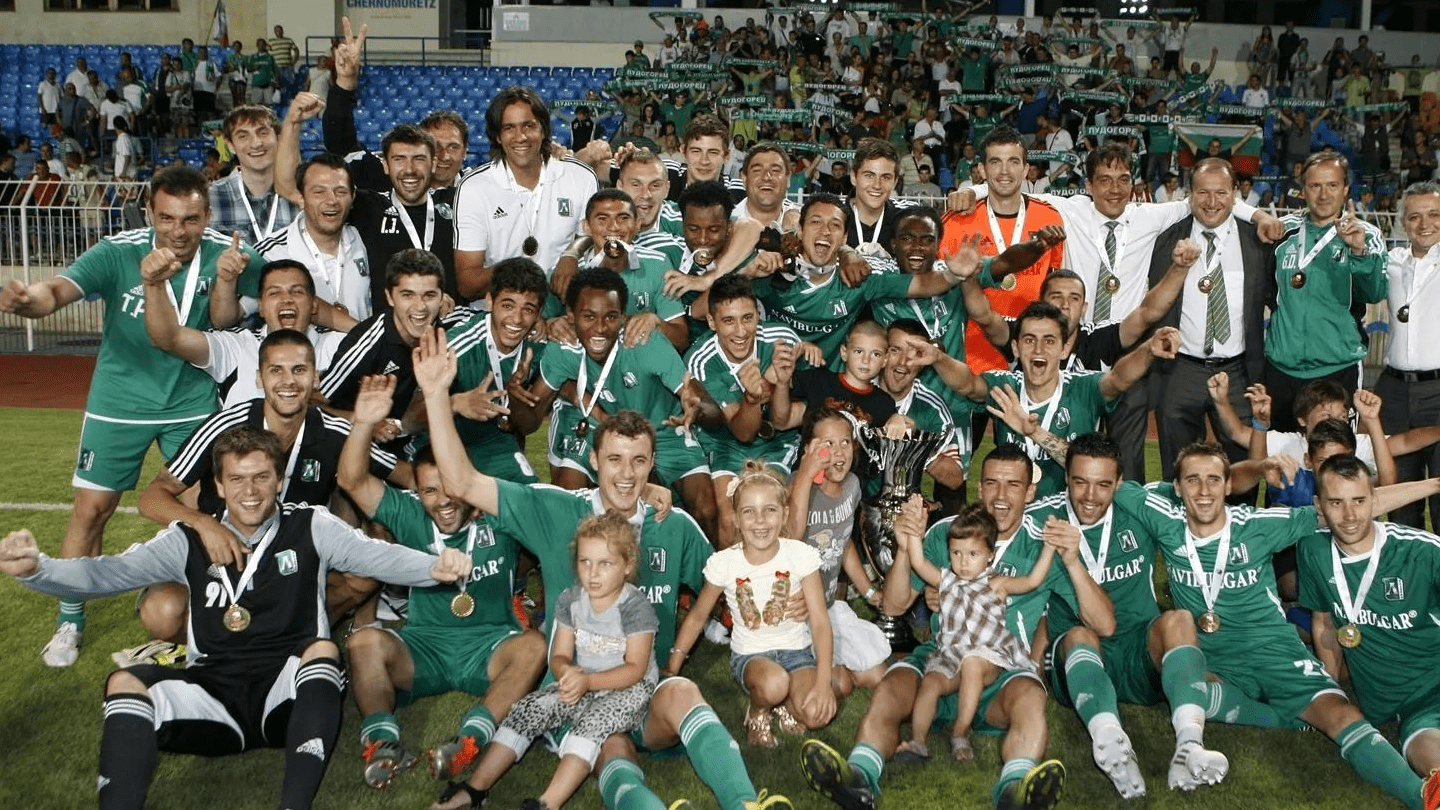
[(1409, 387), (766, 173), (524, 202)]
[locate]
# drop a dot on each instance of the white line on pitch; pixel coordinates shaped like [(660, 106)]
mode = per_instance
[(58, 507)]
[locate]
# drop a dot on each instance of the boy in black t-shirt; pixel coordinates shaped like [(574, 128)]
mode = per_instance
[(851, 391)]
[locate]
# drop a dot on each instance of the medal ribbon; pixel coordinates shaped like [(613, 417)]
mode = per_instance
[(250, 212), (1307, 256), (1051, 405), (321, 268), (1018, 234), (192, 283), (404, 216), (535, 197), (1342, 585), (495, 357), (1095, 565), (874, 235), (583, 378), (437, 545), (294, 457), (251, 565), (1210, 587)]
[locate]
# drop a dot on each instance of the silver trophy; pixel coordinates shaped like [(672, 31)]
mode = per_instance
[(900, 464)]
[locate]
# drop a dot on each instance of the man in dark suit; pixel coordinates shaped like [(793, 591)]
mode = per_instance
[(1220, 314)]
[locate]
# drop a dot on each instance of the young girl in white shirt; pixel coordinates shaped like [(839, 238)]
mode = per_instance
[(783, 664)]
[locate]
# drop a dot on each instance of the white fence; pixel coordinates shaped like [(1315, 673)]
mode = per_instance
[(43, 227)]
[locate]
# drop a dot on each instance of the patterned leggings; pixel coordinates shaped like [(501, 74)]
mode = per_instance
[(592, 719)]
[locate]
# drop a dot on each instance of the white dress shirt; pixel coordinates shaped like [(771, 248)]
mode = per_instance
[(1195, 305), (1414, 282)]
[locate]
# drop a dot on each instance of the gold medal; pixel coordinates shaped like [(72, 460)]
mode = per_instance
[(1403, 314), (1297, 279), (503, 423), (767, 430), (582, 429), (1209, 621), (236, 619), (614, 248), (1349, 636), (1112, 285), (1205, 285), (703, 257), (462, 605), (1009, 282)]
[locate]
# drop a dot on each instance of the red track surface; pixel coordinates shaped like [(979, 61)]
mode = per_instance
[(45, 381)]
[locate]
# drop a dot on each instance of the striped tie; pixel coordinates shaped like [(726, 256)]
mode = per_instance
[(1217, 309), (1103, 293)]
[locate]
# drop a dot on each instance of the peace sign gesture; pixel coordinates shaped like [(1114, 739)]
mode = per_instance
[(349, 51)]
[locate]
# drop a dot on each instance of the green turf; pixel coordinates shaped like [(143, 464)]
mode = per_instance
[(50, 719)]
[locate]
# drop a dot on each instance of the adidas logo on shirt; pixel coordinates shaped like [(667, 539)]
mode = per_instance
[(500, 213), (390, 367), (312, 746)]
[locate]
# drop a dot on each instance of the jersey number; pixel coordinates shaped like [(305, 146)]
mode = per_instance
[(1310, 668), (213, 595), (389, 225)]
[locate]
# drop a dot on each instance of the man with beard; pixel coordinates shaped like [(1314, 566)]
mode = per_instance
[(1014, 704), (310, 438), (464, 639), (674, 552), (1151, 657), (924, 407), (766, 173), (493, 351), (320, 239), (1366, 582), (1408, 385), (246, 201), (1067, 404), (646, 376), (445, 127), (232, 356), (406, 214), (139, 395), (1220, 571), (262, 670)]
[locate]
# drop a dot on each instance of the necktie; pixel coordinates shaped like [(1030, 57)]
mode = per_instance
[(1217, 308), (1108, 279)]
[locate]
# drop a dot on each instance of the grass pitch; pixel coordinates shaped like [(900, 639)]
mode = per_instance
[(51, 718)]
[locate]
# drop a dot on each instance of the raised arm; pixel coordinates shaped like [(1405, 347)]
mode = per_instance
[(1132, 367), (1219, 387), (1022, 255), (287, 150), (162, 323), (977, 307), (1162, 296), (372, 407), (434, 365), (1367, 405)]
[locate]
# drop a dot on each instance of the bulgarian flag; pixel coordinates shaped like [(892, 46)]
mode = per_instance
[(220, 25), (1242, 143)]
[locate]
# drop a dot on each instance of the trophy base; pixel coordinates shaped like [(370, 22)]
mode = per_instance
[(897, 633)]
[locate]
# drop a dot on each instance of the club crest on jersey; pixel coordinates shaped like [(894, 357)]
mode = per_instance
[(286, 563), (1394, 589), (1128, 541), (87, 459), (657, 560), (1062, 421), (362, 266), (629, 379), (310, 470), (1239, 555), (642, 301), (562, 206), (484, 537), (838, 309), (202, 287), (445, 211)]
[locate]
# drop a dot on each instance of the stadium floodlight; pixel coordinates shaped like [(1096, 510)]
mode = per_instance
[(1134, 8)]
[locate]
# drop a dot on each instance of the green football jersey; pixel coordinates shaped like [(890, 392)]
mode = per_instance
[(134, 381), (646, 378), (930, 412), (943, 316), (1399, 620), (1248, 601), (1017, 556), (823, 313), (646, 281), (473, 346), (670, 220), (1124, 565), (672, 247), (708, 363), (492, 577), (543, 518), (1074, 409)]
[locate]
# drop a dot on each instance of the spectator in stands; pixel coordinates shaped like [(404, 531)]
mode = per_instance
[(9, 182), (911, 163), (135, 94), (205, 79), (25, 156), (93, 89), (1245, 190), (1335, 59), (114, 107), (925, 187), (78, 117), (1170, 189), (1357, 84), (1418, 159), (264, 75), (160, 97), (177, 88), (47, 156), (188, 56), (1173, 42), (65, 144), (285, 52), (1288, 46), (236, 71), (79, 76), (127, 152), (1256, 97), (47, 98), (1362, 55), (1261, 60)]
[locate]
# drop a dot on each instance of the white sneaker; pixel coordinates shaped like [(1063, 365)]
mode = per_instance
[(165, 653), (1194, 765), (717, 633), (1116, 758), (64, 647)]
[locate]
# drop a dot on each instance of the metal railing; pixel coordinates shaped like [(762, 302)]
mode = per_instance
[(44, 229)]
